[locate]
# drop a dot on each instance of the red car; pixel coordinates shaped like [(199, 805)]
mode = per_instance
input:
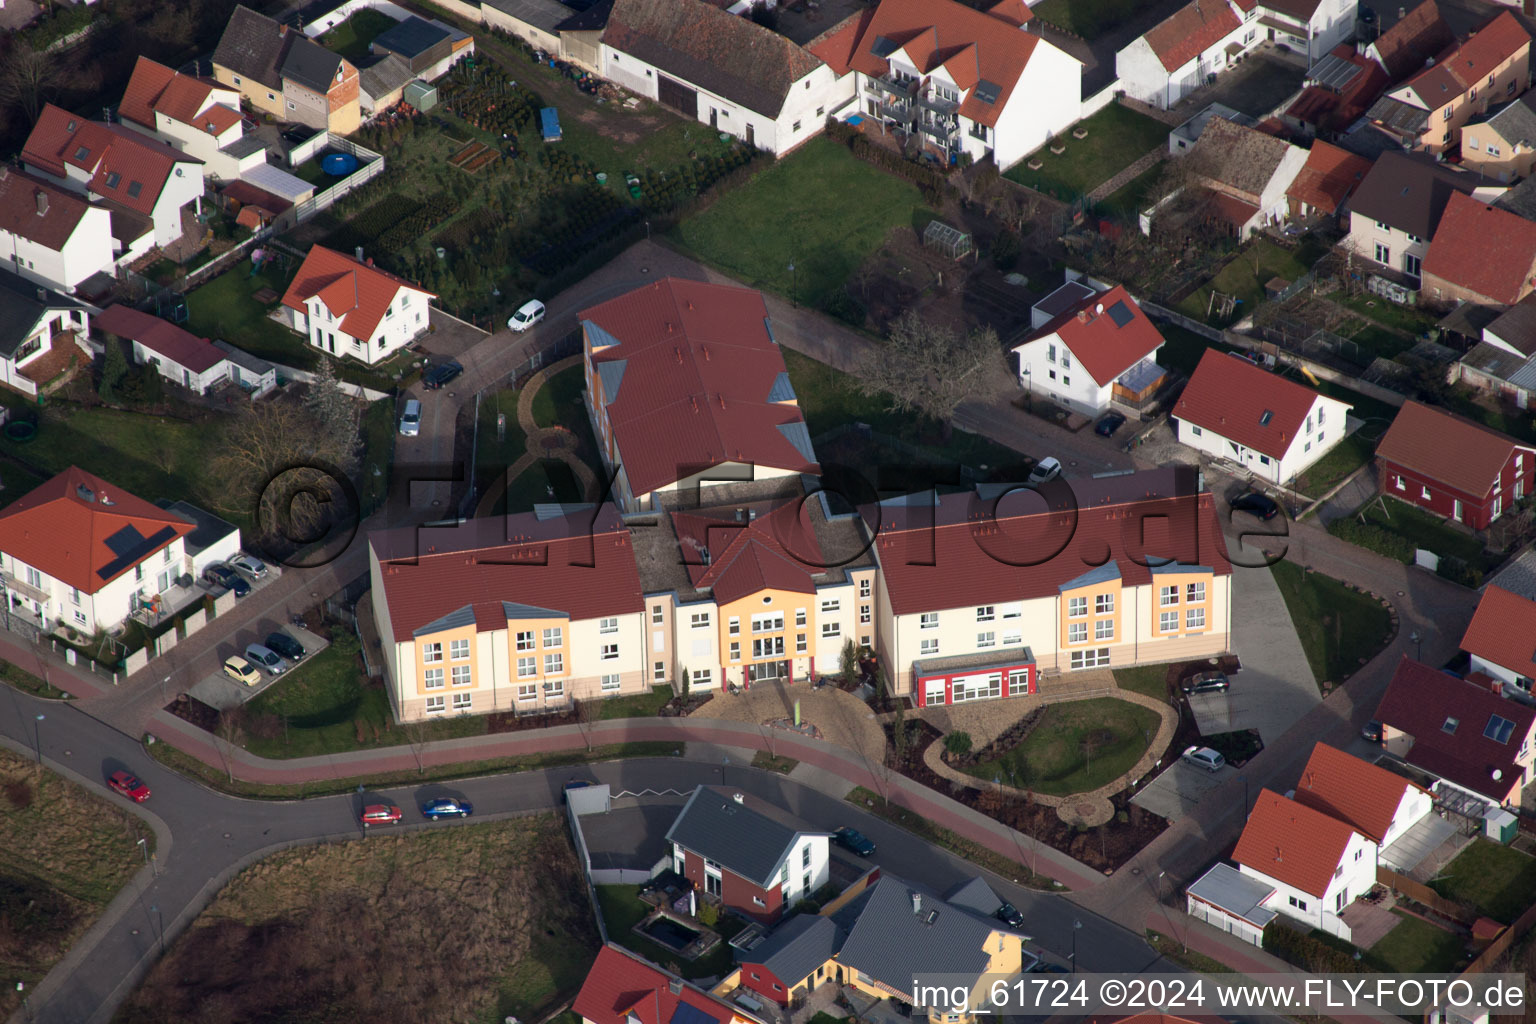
[(129, 786), (380, 814)]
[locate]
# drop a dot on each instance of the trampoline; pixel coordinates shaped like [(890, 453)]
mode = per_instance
[(339, 165)]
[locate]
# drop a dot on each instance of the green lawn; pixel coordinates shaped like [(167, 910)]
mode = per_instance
[(1415, 946), (1076, 747), (1430, 532), (1117, 137), (1240, 279), (1148, 680), (1184, 348), (1127, 201), (1019, 870), (495, 453), (1087, 18), (820, 208), (621, 909), (350, 39), (1500, 882), (1513, 422), (1338, 627), (224, 309), (639, 705), (1342, 460), (1410, 319)]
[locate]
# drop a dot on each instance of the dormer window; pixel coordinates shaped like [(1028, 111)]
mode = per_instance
[(82, 153), (1449, 728)]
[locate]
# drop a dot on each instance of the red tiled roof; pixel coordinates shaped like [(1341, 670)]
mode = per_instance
[(969, 551), (1405, 47), (620, 983), (85, 544), (1471, 62), (580, 565), (359, 293), (698, 369), (155, 88), (180, 347), (745, 558), (1358, 793), (1423, 703), (835, 46), (1103, 346), (1490, 251), (1503, 631), (1324, 107), (1328, 177), (969, 44), (1014, 12), (145, 85), (1231, 397), (1183, 35), (117, 157), (1292, 843), (19, 203), (1441, 446), (1232, 210)]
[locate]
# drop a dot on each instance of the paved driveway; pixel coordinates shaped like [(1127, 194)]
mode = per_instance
[(1178, 790), (1276, 687)]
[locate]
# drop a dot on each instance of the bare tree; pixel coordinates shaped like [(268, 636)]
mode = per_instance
[(418, 734), (231, 729), (29, 78), (931, 368), (581, 711)]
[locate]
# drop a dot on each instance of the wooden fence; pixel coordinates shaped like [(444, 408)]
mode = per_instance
[(1497, 948), (1421, 893)]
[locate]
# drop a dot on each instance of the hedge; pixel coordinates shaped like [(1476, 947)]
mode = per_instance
[(1315, 951), (1373, 538)]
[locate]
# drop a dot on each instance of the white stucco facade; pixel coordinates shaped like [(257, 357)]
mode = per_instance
[(87, 251), (1325, 426), (1143, 76), (197, 381), (406, 317), (1354, 875), (51, 599), (1384, 244), (211, 149)]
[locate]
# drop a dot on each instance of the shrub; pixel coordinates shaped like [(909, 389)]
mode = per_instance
[(709, 914), (846, 308), (958, 743), (1311, 952), (1458, 571), (1373, 538), (1005, 250)]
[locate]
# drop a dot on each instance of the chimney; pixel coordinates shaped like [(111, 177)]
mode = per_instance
[(917, 903), (42, 203), (738, 798), (675, 986), (370, 261), (358, 253), (42, 295)]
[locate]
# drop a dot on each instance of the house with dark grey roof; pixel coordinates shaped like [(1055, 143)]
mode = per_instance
[(1502, 143), (796, 957), (725, 71), (1396, 209), (746, 853), (285, 75), (429, 47), (41, 334)]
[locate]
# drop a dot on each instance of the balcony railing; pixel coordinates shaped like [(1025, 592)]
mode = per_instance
[(897, 111), (937, 103)]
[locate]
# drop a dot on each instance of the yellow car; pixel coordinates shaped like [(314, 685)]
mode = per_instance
[(241, 671)]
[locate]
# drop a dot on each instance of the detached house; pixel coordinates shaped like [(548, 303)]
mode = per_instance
[(1452, 466), (726, 71), (1499, 638), (1414, 42), (965, 81), (1427, 112), (283, 74), (1480, 254), (1248, 171), (177, 355), (142, 179), (193, 115), (1315, 864), (1272, 427), (1502, 360), (51, 235), (350, 308), (41, 334), (1101, 339), (688, 389), (1340, 88), (1397, 208), (746, 853), (1380, 805), (86, 553)]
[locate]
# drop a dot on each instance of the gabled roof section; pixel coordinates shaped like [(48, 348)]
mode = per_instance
[(1106, 332), (620, 985), (1503, 631), (23, 304), (160, 336), (1329, 177), (1419, 37), (797, 947), (359, 293), (1447, 448), (1247, 404), (1292, 843), (699, 366), (312, 65), (1189, 31), (125, 166), (1470, 63), (898, 930), (155, 88), (1515, 121), (735, 558), (702, 45), (84, 531), (38, 210), (1409, 192), (1489, 251), (251, 47), (1360, 794), (744, 835), (1236, 155)]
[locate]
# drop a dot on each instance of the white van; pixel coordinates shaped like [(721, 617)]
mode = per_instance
[(410, 420)]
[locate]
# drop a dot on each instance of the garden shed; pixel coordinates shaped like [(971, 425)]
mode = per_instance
[(421, 95), (950, 241)]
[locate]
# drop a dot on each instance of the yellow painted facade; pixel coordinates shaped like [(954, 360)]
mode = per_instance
[(767, 627)]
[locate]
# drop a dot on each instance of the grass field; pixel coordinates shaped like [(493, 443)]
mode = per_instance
[(1339, 628), (64, 853), (1117, 137), (1497, 880), (1414, 946), (936, 835), (1127, 201), (350, 39), (1343, 459), (1087, 18), (1424, 530), (1148, 680), (1076, 747), (622, 910), (361, 929), (1244, 277), (820, 209), (24, 680)]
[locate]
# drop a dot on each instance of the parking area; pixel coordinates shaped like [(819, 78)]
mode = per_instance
[(220, 691), (1178, 789)]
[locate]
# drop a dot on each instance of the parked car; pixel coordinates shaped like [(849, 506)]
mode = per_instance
[(1207, 682), (1047, 468), (224, 576), (410, 419), (446, 807), (267, 658), (528, 314), (1260, 506), (440, 374), (285, 645), (853, 839), (129, 786), (241, 671), (379, 814), (1205, 757), (250, 565), (1373, 732), (1109, 423), (1009, 915)]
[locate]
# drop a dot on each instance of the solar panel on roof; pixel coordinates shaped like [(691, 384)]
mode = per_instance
[(1334, 72), (1498, 729), (125, 541), (1121, 314), (988, 92), (883, 47), (686, 1013)]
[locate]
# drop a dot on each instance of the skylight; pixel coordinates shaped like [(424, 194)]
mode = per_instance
[(1450, 726), (82, 153), (1499, 729), (1264, 419), (883, 47), (113, 178), (134, 188)]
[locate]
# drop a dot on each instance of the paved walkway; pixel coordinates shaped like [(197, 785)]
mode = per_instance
[(842, 719), (1143, 164), (542, 443)]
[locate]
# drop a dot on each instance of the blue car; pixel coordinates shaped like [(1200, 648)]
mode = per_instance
[(224, 576), (447, 807), (852, 839)]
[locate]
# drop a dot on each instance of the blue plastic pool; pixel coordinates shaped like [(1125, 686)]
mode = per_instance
[(339, 165)]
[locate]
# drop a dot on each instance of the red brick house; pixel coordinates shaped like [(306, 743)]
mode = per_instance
[(1480, 254), (1452, 466)]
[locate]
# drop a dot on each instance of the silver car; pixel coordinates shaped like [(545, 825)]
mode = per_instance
[(1205, 757), (265, 657), (252, 566)]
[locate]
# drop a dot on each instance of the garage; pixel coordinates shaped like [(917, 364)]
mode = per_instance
[(677, 96)]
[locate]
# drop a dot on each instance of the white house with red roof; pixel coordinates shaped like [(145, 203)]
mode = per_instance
[(199, 117), (51, 235), (1501, 638), (1380, 805), (119, 166), (177, 355), (352, 308), (966, 81), (621, 988), (1270, 426), (687, 387), (84, 552), (1091, 345)]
